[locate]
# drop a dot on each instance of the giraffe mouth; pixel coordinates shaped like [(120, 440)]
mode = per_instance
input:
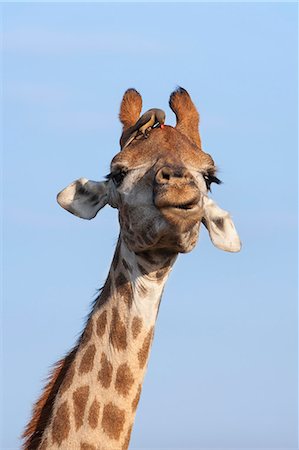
[(184, 206), (186, 211), (172, 203), (183, 216), (180, 205)]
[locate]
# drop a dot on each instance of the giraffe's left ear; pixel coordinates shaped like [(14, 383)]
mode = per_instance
[(84, 198), (187, 117), (220, 226)]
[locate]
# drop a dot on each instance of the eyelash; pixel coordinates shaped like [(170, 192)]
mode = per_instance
[(117, 177), (209, 179)]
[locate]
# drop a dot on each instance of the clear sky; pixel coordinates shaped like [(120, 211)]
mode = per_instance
[(223, 367)]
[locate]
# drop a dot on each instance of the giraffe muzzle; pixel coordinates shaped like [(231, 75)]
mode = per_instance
[(175, 188), (177, 197)]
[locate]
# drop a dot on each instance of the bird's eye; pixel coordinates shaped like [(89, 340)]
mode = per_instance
[(209, 179), (117, 177)]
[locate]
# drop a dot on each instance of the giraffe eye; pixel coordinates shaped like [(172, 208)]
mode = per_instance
[(209, 179), (117, 177)]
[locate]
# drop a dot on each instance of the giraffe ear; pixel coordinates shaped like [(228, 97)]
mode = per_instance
[(187, 117), (84, 198), (220, 226), (130, 108)]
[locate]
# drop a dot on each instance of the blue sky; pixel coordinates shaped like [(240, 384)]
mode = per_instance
[(223, 367)]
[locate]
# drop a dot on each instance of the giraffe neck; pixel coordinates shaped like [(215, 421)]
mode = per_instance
[(98, 393)]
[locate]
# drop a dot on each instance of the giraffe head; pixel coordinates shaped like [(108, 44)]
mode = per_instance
[(159, 185)]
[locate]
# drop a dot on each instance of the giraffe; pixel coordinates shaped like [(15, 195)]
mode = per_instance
[(160, 186)]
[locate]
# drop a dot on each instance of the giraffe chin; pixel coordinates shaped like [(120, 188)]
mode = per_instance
[(175, 236), (179, 238), (182, 219)]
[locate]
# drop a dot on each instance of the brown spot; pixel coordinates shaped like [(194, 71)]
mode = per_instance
[(165, 257), (86, 364), (120, 280), (116, 256), (143, 352), (101, 324), (124, 288), (149, 256), (113, 420), (142, 269), (87, 333), (161, 273), (127, 439), (80, 397), (105, 374), (136, 326), (127, 265), (118, 333), (136, 399), (145, 238), (124, 379), (67, 380), (85, 446), (93, 416), (61, 424)]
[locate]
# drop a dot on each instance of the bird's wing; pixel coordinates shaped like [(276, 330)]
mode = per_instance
[(148, 116), (148, 119), (128, 140), (125, 136)]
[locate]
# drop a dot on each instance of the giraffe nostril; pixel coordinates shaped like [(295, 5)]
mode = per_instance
[(166, 174), (163, 175)]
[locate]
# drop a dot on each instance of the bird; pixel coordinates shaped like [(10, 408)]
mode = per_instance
[(150, 119)]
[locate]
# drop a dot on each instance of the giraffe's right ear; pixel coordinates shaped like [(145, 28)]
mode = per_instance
[(84, 198), (130, 108)]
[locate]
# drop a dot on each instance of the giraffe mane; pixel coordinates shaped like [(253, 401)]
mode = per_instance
[(43, 407)]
